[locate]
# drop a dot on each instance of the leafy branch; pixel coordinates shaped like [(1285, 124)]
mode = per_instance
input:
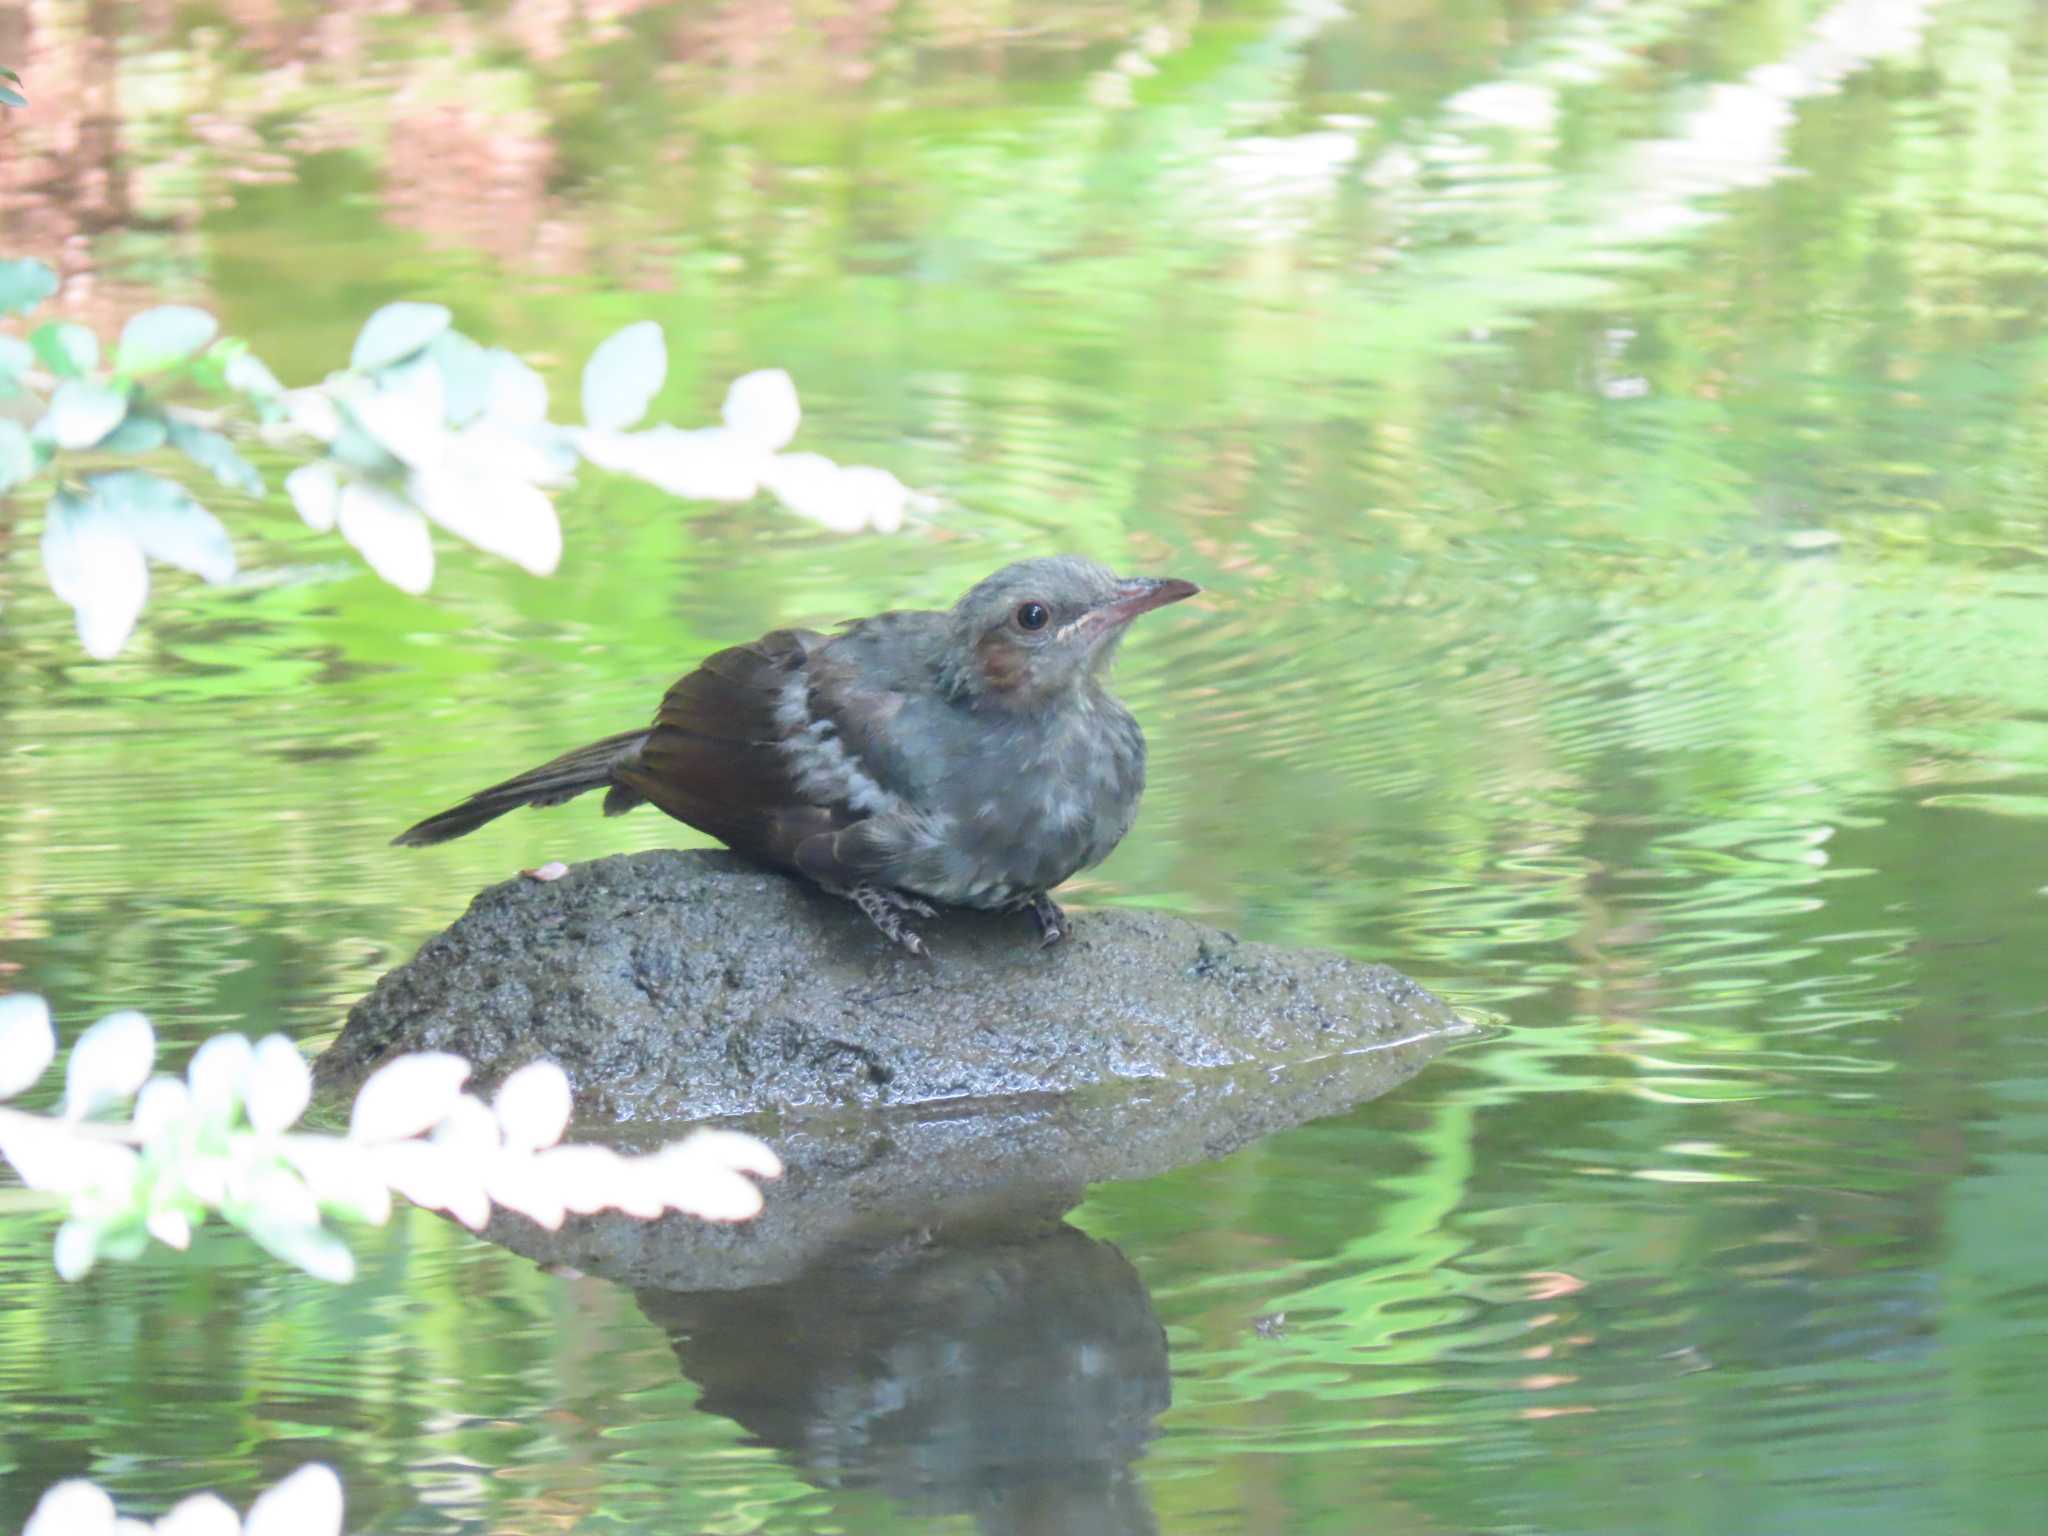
[(425, 427), (308, 1503), (219, 1140)]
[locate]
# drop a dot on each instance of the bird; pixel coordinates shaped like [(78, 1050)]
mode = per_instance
[(968, 757)]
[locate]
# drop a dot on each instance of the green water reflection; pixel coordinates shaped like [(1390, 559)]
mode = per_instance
[(1612, 439)]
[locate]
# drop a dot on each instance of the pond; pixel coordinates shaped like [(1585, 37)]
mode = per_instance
[(1614, 442)]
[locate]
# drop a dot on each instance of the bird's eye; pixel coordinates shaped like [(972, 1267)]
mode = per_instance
[(1033, 616)]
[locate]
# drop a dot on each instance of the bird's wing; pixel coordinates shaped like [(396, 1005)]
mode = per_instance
[(713, 757), (898, 849)]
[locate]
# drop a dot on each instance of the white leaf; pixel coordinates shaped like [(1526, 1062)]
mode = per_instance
[(164, 521), (95, 568), (309, 1247), (159, 337), (527, 452), (466, 370), (586, 1175), (315, 490), (313, 412), (470, 1130), (52, 1156), (27, 1042), (341, 1175), (882, 498), (533, 1106), (308, 1503), (216, 455), (17, 453), (495, 511), (708, 464), (812, 486), (395, 332), (518, 395), (171, 1227), (76, 1249), (734, 1149), (72, 1508), (623, 374), (206, 1176), (248, 374), (691, 1178), (390, 534), (204, 1514), (406, 414), (636, 1188), (761, 407), (162, 1103), (219, 1074), (526, 1184), (436, 1177), (81, 413), (708, 1192), (110, 1061), (280, 1085), (280, 1198), (407, 1095)]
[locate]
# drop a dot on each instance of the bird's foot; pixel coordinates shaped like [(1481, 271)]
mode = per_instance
[(1053, 922), (886, 909)]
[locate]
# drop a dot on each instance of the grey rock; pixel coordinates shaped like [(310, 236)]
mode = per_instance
[(684, 985), (882, 1187)]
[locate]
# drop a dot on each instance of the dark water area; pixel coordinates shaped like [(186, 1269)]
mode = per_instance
[(1614, 444)]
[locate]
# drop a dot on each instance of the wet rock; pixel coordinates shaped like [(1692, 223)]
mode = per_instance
[(682, 985), (876, 1185)]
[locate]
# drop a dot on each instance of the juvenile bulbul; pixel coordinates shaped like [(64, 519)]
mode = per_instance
[(968, 756)]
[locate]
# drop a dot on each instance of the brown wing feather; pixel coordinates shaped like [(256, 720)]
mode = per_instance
[(711, 759)]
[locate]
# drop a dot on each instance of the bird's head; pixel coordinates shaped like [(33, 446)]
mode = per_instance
[(1038, 629)]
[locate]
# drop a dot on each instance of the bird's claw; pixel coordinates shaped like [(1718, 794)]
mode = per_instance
[(1053, 922), (885, 908)]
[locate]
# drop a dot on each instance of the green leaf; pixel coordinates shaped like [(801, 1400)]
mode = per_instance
[(157, 338), (395, 332), (24, 284), (623, 374), (217, 456), (164, 521), (17, 455), (70, 351), (81, 413), (140, 432)]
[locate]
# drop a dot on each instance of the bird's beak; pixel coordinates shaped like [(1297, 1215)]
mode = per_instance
[(1139, 594)]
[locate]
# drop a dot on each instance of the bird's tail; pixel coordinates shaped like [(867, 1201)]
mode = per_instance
[(551, 783)]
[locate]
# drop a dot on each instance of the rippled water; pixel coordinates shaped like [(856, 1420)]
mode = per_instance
[(1609, 437)]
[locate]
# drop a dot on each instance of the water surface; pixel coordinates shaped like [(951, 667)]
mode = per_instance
[(1610, 438)]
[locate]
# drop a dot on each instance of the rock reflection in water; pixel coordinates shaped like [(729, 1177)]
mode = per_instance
[(911, 1314), (1016, 1381)]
